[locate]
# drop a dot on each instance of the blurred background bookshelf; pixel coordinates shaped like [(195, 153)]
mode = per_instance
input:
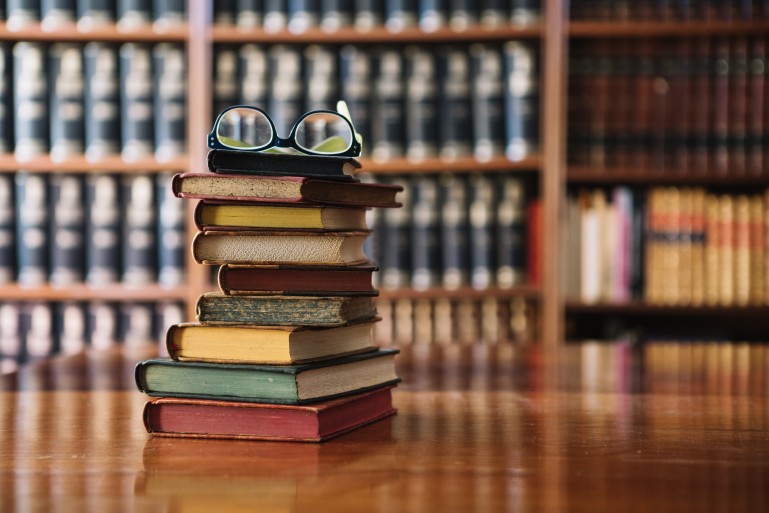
[(551, 153)]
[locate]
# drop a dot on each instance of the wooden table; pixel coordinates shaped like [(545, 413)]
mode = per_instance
[(475, 432)]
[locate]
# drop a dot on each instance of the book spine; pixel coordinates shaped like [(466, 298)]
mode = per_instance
[(680, 155), (698, 246), (67, 229), (285, 100), (248, 14), (699, 94), (224, 13), (320, 78), (136, 327), (758, 105), (275, 15), (454, 231), (521, 100), (425, 231), (387, 119), (462, 14), (421, 104), (102, 324), (226, 78), (170, 93), (171, 234), (721, 64), (57, 13), (7, 231), (139, 236), (395, 237), (493, 13), (355, 89), (741, 243), (400, 14), (738, 107), (11, 344), (30, 100), (302, 15), (510, 239), (70, 324), (36, 325), (102, 101), (482, 220), (95, 13), (527, 12), (6, 99), (32, 228), (67, 96), (136, 105), (488, 102), (103, 229), (455, 109), (433, 15), (22, 13), (133, 14), (253, 73), (169, 13), (758, 256), (368, 14)]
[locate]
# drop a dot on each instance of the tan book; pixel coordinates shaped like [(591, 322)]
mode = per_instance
[(669, 260), (698, 247), (653, 247), (757, 251), (741, 246), (234, 216), (712, 253), (685, 232), (726, 251)]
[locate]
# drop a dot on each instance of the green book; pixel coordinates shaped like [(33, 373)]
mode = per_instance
[(279, 384)]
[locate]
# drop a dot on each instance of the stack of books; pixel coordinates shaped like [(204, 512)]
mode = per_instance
[(284, 351)]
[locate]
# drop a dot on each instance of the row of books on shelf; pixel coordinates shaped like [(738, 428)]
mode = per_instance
[(394, 15), (458, 230), (94, 228), (93, 14), (697, 106), (669, 10), (98, 100), (667, 246), (32, 330), (476, 100)]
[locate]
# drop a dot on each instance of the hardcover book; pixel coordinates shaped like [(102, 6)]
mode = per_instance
[(261, 163), (283, 189), (7, 230), (219, 308), (102, 101), (30, 100), (218, 216), (67, 97), (315, 422), (275, 384), (136, 97), (102, 229), (32, 228), (296, 280), (267, 345), (170, 94), (279, 247), (67, 229)]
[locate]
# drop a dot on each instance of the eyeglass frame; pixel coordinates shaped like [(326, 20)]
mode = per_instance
[(354, 149)]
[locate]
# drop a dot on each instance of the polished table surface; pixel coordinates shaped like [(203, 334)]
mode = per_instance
[(476, 431)]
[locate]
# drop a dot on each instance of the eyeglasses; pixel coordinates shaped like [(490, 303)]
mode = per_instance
[(318, 132)]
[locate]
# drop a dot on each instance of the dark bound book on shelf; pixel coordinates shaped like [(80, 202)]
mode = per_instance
[(70, 324), (273, 384), (103, 325), (275, 15), (336, 14), (37, 330), (32, 228), (355, 86), (719, 99), (95, 13), (170, 92), (738, 106), (481, 210), (462, 14), (488, 101), (102, 101), (7, 230), (137, 324), (521, 100), (425, 233), (56, 14), (285, 99), (253, 72), (368, 14), (455, 133), (296, 280), (171, 241), (702, 108), (11, 342), (31, 125), (421, 104), (194, 418), (139, 230), (758, 112), (224, 13), (510, 239), (67, 229), (525, 12), (248, 13), (6, 99), (133, 14), (103, 229), (395, 237), (275, 164), (387, 119), (22, 13), (493, 13), (433, 14), (320, 77), (67, 101), (136, 102), (400, 14), (169, 14), (226, 82), (454, 230)]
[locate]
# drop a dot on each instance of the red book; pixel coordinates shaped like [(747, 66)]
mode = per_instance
[(535, 242), (314, 422), (296, 280)]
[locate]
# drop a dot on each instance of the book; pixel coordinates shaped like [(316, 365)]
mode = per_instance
[(6, 99), (274, 384), (335, 14), (32, 228), (266, 344), (400, 14), (30, 100), (285, 86), (320, 77), (387, 110), (283, 189), (136, 102), (487, 101), (139, 230), (22, 13), (296, 280), (102, 325), (252, 66), (171, 240), (102, 229), (275, 16), (273, 164), (71, 327), (425, 232), (36, 328), (355, 86), (279, 247), (462, 14), (248, 14), (395, 239), (168, 14), (481, 218), (510, 239), (493, 13), (521, 100), (224, 13), (455, 136), (7, 230), (368, 14), (433, 15), (67, 229), (225, 77), (134, 14), (136, 325), (219, 308), (232, 216), (421, 103), (102, 101), (317, 422), (454, 230), (302, 15), (67, 135), (11, 343), (170, 94), (95, 13)]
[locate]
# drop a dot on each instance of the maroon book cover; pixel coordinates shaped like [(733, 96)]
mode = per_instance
[(757, 109), (737, 115), (720, 102), (314, 422), (297, 280), (700, 94)]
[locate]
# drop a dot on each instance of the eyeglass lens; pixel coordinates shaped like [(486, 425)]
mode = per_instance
[(319, 132)]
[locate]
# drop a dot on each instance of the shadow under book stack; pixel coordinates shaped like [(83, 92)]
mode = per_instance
[(285, 350)]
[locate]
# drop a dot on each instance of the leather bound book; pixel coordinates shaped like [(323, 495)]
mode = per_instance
[(296, 280)]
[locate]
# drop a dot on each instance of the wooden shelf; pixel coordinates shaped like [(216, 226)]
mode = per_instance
[(347, 35), (636, 308), (82, 292), (600, 29), (107, 33), (437, 165), (526, 291), (657, 177), (112, 164)]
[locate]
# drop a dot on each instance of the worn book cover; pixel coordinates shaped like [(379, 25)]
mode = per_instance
[(296, 280), (264, 163)]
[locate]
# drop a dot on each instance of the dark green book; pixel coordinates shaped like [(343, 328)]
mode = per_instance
[(278, 384)]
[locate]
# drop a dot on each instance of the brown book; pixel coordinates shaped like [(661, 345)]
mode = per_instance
[(283, 189), (737, 100), (757, 107), (296, 280), (643, 93), (701, 107), (279, 247), (720, 102), (726, 250), (757, 250)]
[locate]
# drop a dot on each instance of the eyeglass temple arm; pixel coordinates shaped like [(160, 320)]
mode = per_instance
[(341, 108)]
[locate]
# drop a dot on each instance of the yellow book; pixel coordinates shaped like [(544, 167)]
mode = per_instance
[(209, 216)]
